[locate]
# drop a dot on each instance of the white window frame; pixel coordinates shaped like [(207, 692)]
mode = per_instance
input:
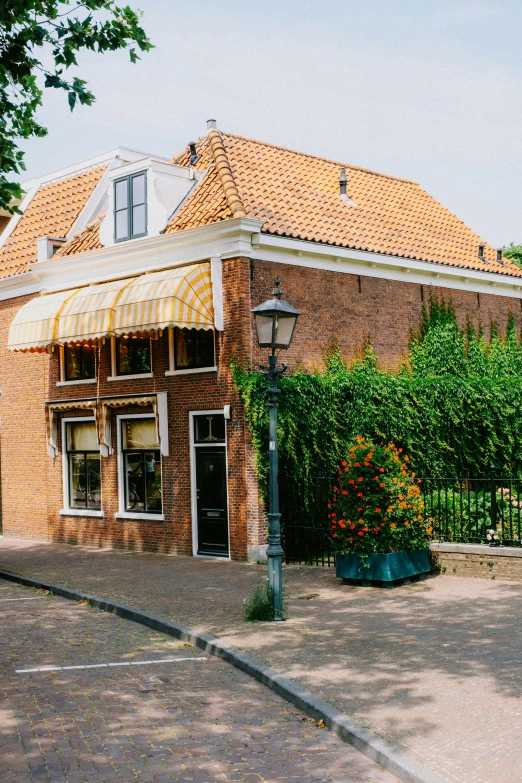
[(63, 382), (114, 377), (193, 486), (66, 510), (122, 514), (172, 367)]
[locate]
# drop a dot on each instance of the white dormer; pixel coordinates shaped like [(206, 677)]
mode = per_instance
[(142, 196)]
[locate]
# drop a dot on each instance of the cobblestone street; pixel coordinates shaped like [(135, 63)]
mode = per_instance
[(192, 720)]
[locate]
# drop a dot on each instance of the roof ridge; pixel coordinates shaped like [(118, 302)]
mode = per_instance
[(87, 229), (224, 171), (320, 157)]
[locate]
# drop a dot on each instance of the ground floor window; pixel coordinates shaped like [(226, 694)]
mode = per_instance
[(141, 462), (83, 465)]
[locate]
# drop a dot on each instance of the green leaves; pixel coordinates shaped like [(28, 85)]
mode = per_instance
[(455, 407), (27, 29)]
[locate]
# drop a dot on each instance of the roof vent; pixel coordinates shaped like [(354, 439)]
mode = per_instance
[(500, 260), (481, 253), (343, 182), (194, 157), (211, 124)]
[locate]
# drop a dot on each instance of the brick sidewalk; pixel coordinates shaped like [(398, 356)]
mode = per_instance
[(434, 667)]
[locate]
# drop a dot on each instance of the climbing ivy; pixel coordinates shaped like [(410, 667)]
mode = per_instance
[(454, 406)]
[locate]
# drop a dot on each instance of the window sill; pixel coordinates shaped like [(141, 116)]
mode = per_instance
[(130, 377), (76, 383), (79, 512), (138, 515), (191, 371)]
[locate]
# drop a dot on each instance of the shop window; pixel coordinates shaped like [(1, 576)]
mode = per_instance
[(193, 348), (133, 356), (141, 463), (130, 207), (79, 362), (83, 465)]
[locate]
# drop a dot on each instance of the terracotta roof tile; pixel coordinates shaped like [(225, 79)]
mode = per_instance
[(297, 195), (52, 212), (82, 241)]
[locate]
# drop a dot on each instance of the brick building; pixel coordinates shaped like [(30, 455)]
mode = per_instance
[(126, 288)]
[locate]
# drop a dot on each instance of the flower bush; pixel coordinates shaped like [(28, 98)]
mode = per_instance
[(376, 506)]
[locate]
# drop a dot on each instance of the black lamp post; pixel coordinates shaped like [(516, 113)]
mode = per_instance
[(275, 323)]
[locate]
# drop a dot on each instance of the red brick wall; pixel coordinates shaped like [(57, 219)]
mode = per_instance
[(350, 309), (32, 482), (334, 306)]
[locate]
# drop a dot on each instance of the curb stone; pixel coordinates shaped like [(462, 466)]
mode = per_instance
[(378, 749)]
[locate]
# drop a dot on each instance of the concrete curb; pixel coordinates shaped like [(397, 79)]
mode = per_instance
[(384, 753)]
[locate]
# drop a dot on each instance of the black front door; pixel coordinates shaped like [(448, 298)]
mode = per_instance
[(211, 488)]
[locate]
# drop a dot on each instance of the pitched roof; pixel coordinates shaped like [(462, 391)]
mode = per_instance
[(52, 211), (84, 240), (297, 195)]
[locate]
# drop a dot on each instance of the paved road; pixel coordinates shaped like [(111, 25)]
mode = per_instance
[(192, 720), (433, 667)]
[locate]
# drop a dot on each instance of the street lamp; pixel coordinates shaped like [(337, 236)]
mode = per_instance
[(275, 323)]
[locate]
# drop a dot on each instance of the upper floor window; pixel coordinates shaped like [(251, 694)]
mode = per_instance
[(133, 356), (193, 348), (130, 207), (79, 362)]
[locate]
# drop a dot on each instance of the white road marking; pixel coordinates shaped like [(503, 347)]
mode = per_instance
[(36, 597), (104, 665)]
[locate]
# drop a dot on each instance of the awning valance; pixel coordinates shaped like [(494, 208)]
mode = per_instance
[(174, 297), (101, 408)]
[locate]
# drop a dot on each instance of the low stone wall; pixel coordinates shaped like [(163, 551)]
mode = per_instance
[(479, 560)]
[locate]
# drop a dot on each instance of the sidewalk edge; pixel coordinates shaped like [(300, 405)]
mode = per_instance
[(378, 749)]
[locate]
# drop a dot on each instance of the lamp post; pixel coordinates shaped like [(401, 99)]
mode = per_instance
[(275, 323)]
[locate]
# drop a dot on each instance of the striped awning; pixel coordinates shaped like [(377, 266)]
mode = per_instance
[(35, 325), (137, 305)]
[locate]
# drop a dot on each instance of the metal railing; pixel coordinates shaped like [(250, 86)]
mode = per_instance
[(460, 509)]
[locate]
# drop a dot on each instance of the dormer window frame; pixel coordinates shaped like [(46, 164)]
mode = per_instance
[(130, 205)]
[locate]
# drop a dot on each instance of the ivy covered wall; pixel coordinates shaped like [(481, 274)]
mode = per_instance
[(455, 405)]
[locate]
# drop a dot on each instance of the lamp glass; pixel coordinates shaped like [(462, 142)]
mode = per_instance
[(284, 329), (264, 329)]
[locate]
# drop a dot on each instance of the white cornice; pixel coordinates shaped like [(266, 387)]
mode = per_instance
[(243, 237), (357, 262)]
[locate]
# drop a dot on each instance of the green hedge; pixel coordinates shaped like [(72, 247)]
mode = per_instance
[(455, 406)]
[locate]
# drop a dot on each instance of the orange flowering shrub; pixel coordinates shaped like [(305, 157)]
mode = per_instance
[(376, 506)]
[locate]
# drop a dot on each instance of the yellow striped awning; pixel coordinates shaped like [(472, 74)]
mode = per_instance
[(175, 297), (35, 325)]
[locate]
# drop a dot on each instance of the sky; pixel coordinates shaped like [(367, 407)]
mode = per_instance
[(422, 89)]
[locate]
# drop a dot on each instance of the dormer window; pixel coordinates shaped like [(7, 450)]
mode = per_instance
[(130, 207)]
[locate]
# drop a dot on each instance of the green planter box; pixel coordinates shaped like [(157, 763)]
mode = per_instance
[(389, 569)]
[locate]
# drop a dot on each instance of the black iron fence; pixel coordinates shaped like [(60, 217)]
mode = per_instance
[(467, 510)]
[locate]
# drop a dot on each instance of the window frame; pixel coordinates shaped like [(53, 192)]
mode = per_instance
[(114, 364), (130, 234), (64, 382), (66, 509), (122, 513), (190, 370)]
